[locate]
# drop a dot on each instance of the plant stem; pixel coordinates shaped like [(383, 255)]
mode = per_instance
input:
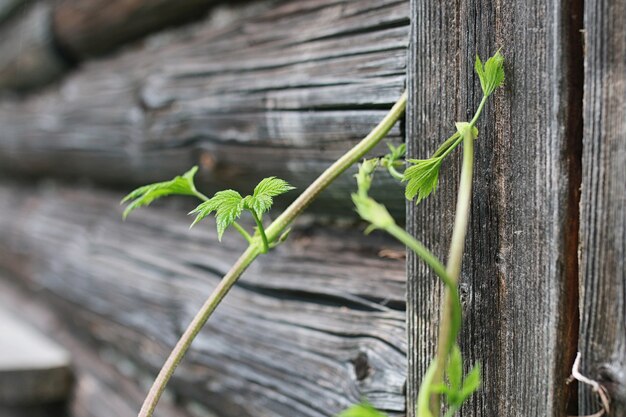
[(394, 172), (453, 141), (261, 229), (448, 331), (343, 163), (450, 142), (272, 232), (194, 327), (242, 232), (200, 195)]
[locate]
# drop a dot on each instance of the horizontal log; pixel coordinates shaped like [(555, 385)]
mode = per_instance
[(92, 27), (9, 7), (28, 55), (280, 90), (102, 386), (309, 329)]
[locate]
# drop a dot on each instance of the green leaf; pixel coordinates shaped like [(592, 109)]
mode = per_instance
[(227, 205), (364, 175), (361, 410), (396, 152), (143, 196), (491, 74), (421, 178), (262, 198), (372, 212), (422, 407), (470, 384), (455, 369)]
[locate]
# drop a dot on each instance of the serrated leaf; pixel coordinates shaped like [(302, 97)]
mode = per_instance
[(227, 205), (262, 198), (143, 196), (361, 410), (396, 152), (470, 384), (455, 369), (421, 178), (491, 74)]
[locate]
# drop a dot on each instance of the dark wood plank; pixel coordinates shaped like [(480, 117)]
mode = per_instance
[(28, 56), (103, 386), (603, 205), (35, 372), (519, 277), (86, 28), (308, 331), (267, 88)]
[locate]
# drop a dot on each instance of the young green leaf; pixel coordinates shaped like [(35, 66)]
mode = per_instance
[(143, 196), (227, 205), (262, 198), (491, 74), (364, 175), (455, 368), (421, 178), (470, 384), (372, 212), (361, 410), (395, 152)]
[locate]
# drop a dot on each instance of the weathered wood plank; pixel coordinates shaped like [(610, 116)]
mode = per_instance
[(103, 386), (603, 205), (28, 55), (268, 88), (33, 369), (519, 278), (306, 332), (92, 27)]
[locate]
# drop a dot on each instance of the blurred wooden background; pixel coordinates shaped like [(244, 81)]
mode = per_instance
[(97, 97)]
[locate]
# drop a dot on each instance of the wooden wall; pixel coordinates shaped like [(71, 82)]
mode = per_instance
[(602, 250), (523, 290), (278, 87), (255, 89)]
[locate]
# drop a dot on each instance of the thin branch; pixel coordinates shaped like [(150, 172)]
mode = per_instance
[(595, 387), (273, 232)]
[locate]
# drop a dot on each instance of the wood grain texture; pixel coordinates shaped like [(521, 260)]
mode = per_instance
[(519, 277), (28, 55), (306, 332), (103, 386), (603, 205), (266, 88), (86, 28)]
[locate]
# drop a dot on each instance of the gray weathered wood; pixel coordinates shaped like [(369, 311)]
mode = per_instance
[(91, 27), (103, 386), (519, 277), (306, 332), (35, 374), (9, 7), (603, 205), (268, 88), (28, 57)]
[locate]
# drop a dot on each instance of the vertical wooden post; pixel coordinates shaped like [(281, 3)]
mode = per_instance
[(519, 279), (603, 205)]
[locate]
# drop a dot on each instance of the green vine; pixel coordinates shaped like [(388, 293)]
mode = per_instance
[(228, 206), (421, 178)]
